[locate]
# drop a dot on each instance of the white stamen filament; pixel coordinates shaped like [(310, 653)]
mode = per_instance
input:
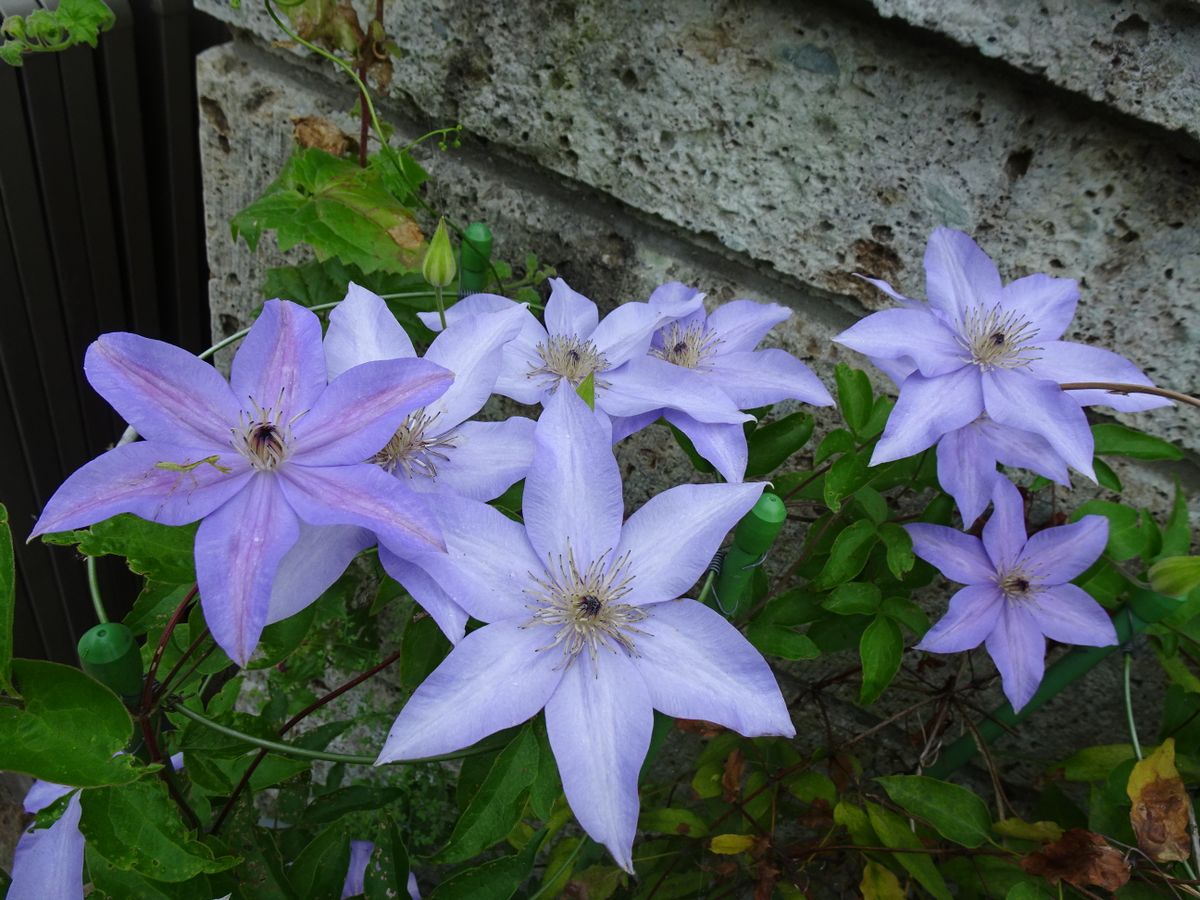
[(687, 346), (570, 357), (264, 438), (415, 451), (1017, 584), (995, 339)]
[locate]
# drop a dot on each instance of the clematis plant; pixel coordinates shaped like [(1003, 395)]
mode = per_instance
[(980, 346), (718, 351), (1018, 590), (257, 459), (583, 620)]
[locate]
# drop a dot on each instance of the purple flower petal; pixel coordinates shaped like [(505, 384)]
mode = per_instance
[(281, 363), (966, 467), (676, 300), (317, 559), (624, 426), (672, 538), (741, 324), (472, 351), (363, 329), (164, 392), (897, 369), (1064, 362), (959, 277), (356, 872), (569, 313), (626, 331), (48, 863), (753, 378), (972, 615), (130, 479), (238, 551), (42, 793), (1023, 450), (487, 458), (1069, 615), (1048, 303), (1004, 532), (362, 408), (573, 489), (488, 560), (520, 358), (890, 291), (913, 334), (649, 383), (366, 496), (599, 720), (495, 678), (1056, 555), (697, 666), (926, 409), (960, 557), (449, 616), (472, 305), (1018, 649), (1015, 398), (724, 446)]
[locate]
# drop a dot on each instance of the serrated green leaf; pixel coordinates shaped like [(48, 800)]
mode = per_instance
[(494, 880), (771, 444), (957, 814), (499, 802), (160, 552), (855, 401), (880, 650), (894, 832), (848, 555), (387, 871), (1120, 440), (69, 729), (8, 599), (136, 827), (320, 870), (853, 598)]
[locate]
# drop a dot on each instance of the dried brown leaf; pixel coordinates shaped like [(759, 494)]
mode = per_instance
[(1079, 858), (313, 131), (1160, 806)]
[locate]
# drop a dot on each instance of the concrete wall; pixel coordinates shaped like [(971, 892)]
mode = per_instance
[(771, 150)]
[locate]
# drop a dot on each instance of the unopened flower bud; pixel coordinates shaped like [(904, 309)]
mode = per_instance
[(439, 267)]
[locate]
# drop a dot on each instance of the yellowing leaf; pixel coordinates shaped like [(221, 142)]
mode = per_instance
[(1160, 805), (880, 883), (1028, 831), (728, 844)]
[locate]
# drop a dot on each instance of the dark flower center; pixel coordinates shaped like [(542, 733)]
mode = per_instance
[(688, 346), (995, 339), (263, 438)]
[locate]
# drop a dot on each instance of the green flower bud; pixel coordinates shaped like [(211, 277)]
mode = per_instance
[(439, 267)]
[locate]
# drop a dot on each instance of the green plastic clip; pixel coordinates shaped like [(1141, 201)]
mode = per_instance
[(752, 539), (109, 653), (475, 259)]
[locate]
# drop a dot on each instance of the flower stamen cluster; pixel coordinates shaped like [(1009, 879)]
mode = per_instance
[(998, 339), (1016, 585), (688, 345), (411, 450), (264, 438), (584, 607), (568, 356)]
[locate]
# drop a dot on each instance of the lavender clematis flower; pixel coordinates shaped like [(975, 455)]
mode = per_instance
[(980, 346), (1018, 590), (49, 862), (575, 344), (256, 459), (583, 621), (719, 349), (356, 873)]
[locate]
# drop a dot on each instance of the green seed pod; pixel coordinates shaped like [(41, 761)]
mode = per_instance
[(439, 267), (109, 653)]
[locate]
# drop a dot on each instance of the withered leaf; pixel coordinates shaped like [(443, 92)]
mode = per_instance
[(731, 777), (313, 131), (1160, 805), (1079, 858), (699, 726)]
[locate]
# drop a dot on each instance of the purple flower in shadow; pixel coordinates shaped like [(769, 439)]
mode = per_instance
[(49, 862), (1018, 590), (582, 620), (980, 346), (257, 459), (356, 873), (718, 349)]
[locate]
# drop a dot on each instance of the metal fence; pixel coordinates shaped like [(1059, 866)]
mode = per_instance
[(100, 230)]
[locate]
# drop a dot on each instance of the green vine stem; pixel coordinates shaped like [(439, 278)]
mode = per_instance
[(94, 589)]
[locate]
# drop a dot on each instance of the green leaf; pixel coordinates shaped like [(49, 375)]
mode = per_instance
[(1120, 440), (837, 441), (854, 598), (320, 870), (424, 647), (338, 209), (547, 786), (499, 802), (1127, 537), (1095, 763), (770, 445), (854, 396), (494, 880), (844, 477), (355, 798), (673, 821), (1177, 535), (1175, 576), (280, 638), (69, 729), (900, 558), (117, 883), (8, 599), (956, 813), (848, 555), (907, 613), (781, 641), (387, 872), (154, 606), (1105, 475), (587, 390), (894, 832), (699, 463), (880, 650), (137, 827), (872, 503), (160, 552)]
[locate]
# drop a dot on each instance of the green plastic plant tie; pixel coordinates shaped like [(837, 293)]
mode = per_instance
[(109, 653), (475, 259), (1144, 609), (752, 539)]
